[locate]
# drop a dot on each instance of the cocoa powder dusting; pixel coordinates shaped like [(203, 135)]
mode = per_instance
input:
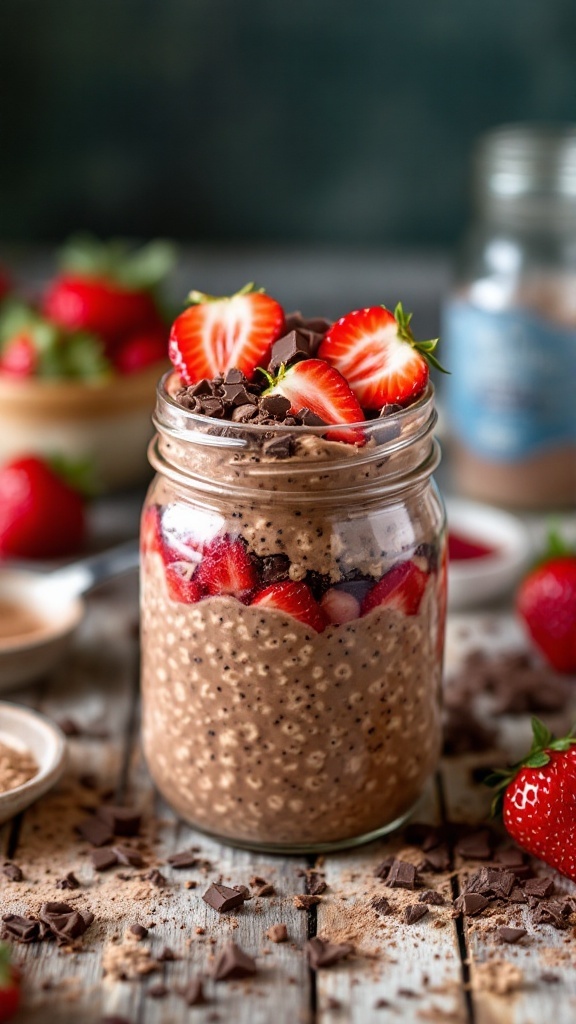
[(16, 767)]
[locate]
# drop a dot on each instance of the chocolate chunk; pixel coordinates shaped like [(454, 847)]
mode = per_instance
[(277, 933), (517, 895), (194, 993), (275, 405), (20, 929), (68, 882), (510, 935), (289, 349), (223, 898), (95, 831), (552, 913), (138, 931), (235, 376), (123, 821), (103, 859), (203, 387), (156, 878), (383, 869), (319, 583), (402, 875), (265, 890), (470, 904), (157, 991), (549, 978), (184, 859), (433, 898), (124, 855), (64, 922), (274, 569), (13, 872), (317, 324), (232, 962), (315, 884), (495, 882), (213, 407), (437, 859), (322, 953), (281, 447), (236, 395), (414, 912), (244, 413), (305, 902), (381, 905), (510, 857), (309, 418), (477, 846), (166, 955), (541, 887)]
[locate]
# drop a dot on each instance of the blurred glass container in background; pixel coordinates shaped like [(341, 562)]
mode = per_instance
[(509, 330)]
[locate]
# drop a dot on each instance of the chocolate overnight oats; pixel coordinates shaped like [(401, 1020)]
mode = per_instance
[(293, 594)]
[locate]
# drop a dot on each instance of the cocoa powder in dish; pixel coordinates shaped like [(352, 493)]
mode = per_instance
[(16, 767)]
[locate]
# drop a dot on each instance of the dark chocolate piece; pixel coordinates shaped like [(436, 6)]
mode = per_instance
[(202, 387), (232, 962), (213, 407), (68, 882), (183, 859), (317, 324), (309, 418), (103, 859), (381, 905), (277, 933), (124, 821), (433, 898), (470, 904), (265, 890), (95, 831), (64, 922), (540, 887), (497, 883), (402, 875), (223, 898), (13, 872), (510, 935), (304, 902), (274, 569), (275, 405), (314, 883), (131, 858), (157, 991), (414, 912), (281, 447), (194, 993), (552, 912), (322, 953), (383, 869), (289, 349), (477, 846), (244, 413), (235, 376), (156, 878), (20, 929), (236, 395), (437, 859), (138, 931), (166, 955)]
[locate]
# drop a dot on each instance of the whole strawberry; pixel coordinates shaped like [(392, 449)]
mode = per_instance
[(546, 602), (539, 800), (41, 515)]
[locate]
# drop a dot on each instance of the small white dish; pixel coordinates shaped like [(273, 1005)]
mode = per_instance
[(28, 730), (477, 580)]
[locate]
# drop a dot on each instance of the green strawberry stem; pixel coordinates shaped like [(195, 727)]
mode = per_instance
[(196, 298), (538, 756), (272, 380), (426, 348), (5, 968), (79, 473), (138, 268)]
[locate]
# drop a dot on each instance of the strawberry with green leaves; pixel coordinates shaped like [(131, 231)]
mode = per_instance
[(32, 346), (318, 387), (216, 334), (546, 602), (538, 799), (9, 984), (375, 350)]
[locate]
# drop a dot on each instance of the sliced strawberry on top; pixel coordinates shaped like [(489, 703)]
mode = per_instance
[(400, 588), (296, 599), (215, 335), (313, 384), (378, 355), (181, 585), (226, 568)]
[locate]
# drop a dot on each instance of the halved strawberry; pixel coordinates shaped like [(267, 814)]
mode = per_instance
[(215, 335), (400, 588), (313, 384), (181, 585), (295, 599), (378, 355), (226, 568)]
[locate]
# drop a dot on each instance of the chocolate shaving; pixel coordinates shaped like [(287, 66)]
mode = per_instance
[(20, 929), (232, 962), (64, 922), (381, 905), (322, 953)]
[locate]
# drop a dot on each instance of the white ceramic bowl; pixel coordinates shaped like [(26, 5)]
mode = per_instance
[(28, 730), (478, 580)]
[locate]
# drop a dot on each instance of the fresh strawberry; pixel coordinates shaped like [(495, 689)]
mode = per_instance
[(41, 516), (296, 600), (139, 351), (215, 335), (9, 985), (538, 797), (313, 384), (108, 288), (181, 586), (546, 601), (151, 538), (19, 357), (400, 588), (378, 355), (226, 568)]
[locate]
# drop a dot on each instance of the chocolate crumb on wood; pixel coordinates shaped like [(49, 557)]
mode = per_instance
[(277, 933), (232, 963), (323, 953), (223, 898)]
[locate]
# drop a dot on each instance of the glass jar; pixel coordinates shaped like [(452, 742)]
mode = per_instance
[(509, 333), (314, 724)]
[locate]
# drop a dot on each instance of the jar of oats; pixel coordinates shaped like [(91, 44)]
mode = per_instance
[(293, 601)]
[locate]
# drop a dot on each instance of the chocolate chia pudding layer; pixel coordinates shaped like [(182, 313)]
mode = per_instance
[(255, 727)]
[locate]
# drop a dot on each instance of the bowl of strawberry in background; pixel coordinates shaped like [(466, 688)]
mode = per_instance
[(79, 363), (487, 549)]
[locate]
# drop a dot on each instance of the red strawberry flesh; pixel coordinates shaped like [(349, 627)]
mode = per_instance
[(226, 568), (296, 599), (400, 588), (312, 384), (546, 601)]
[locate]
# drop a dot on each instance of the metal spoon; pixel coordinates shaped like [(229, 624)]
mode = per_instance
[(54, 601)]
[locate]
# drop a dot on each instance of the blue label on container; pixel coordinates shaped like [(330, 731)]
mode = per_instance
[(512, 389)]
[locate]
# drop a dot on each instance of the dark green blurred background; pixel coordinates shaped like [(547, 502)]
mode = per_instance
[(235, 120)]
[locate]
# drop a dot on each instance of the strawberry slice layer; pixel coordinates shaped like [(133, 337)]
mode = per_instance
[(400, 588), (215, 335), (181, 586), (313, 384), (296, 599), (151, 537), (226, 568), (376, 352)]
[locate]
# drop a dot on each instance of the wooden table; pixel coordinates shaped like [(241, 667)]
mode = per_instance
[(433, 970)]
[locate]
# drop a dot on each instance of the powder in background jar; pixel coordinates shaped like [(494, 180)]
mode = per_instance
[(16, 767)]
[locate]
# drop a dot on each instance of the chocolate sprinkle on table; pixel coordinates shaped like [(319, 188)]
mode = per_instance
[(156, 878), (13, 872), (304, 902), (232, 962), (95, 831), (194, 993), (157, 991), (21, 929), (402, 875), (433, 898), (470, 904), (166, 955), (510, 935), (138, 931), (477, 846), (124, 855), (322, 953), (123, 821), (103, 859), (65, 923), (277, 933), (223, 898), (184, 859), (381, 905), (414, 912), (68, 882), (314, 883), (541, 888)]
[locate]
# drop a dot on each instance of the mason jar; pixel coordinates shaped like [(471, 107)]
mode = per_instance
[(293, 605), (509, 332)]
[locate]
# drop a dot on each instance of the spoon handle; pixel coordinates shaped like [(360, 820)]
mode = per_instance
[(81, 577)]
